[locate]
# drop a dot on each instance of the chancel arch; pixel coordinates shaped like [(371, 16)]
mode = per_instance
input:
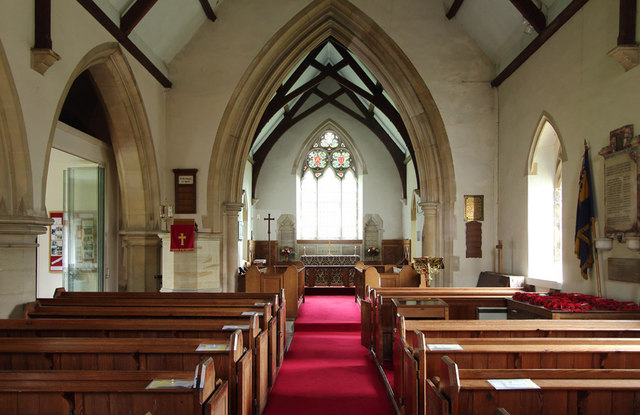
[(135, 162), (391, 67)]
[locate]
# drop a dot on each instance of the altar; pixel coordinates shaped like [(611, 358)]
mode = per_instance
[(330, 270)]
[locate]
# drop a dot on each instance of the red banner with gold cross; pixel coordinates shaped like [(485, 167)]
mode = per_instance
[(182, 237)]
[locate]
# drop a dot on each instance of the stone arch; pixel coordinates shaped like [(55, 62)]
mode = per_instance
[(135, 161), (384, 58), (16, 191)]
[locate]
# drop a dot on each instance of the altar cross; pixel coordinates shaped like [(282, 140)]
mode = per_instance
[(269, 219)]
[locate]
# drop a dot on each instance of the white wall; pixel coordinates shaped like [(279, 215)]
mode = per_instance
[(587, 94), (206, 72), (382, 191)]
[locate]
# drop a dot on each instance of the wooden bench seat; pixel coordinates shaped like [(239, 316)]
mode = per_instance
[(113, 392), (571, 392), (277, 300), (232, 361), (290, 280), (378, 318), (76, 308), (211, 329)]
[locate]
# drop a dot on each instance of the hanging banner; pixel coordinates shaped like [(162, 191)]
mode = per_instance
[(55, 242), (182, 237)]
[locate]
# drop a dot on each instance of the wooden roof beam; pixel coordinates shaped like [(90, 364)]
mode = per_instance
[(552, 28), (124, 40), (531, 13), (208, 10), (134, 15), (454, 9)]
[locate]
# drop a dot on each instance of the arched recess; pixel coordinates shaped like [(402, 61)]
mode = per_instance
[(382, 56), (329, 124), (544, 202), (544, 119), (16, 191), (135, 162)]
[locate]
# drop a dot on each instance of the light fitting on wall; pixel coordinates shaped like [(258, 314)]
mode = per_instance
[(166, 214), (604, 244), (633, 243)]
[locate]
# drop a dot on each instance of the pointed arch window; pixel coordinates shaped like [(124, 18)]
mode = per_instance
[(545, 206), (328, 202)]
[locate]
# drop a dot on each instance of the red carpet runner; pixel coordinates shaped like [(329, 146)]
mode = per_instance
[(326, 370)]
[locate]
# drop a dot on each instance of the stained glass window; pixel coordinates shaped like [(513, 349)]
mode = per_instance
[(328, 193)]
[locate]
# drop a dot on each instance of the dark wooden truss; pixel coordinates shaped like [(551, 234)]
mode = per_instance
[(353, 93)]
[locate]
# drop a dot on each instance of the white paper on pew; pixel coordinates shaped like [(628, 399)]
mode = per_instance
[(260, 304), (235, 327), (170, 384), (507, 384), (251, 313), (437, 347), (204, 347)]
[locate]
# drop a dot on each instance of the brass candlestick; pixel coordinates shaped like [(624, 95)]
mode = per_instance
[(429, 266)]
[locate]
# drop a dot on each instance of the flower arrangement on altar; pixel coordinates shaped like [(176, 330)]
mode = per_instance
[(286, 252), (373, 251)]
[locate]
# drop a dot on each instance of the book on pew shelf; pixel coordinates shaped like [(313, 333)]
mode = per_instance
[(260, 304), (438, 347), (170, 384), (251, 313), (235, 327), (513, 384), (204, 347)]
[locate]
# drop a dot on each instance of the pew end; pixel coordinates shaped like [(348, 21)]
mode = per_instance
[(449, 378), (218, 404), (206, 379)]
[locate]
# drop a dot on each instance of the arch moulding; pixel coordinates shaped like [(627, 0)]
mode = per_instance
[(364, 38), (135, 162)]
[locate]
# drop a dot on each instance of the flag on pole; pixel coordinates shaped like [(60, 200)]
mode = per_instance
[(585, 217)]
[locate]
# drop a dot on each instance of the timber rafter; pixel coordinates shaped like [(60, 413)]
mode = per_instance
[(356, 94)]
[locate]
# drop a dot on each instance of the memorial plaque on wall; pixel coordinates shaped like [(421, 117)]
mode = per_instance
[(621, 192), (185, 190), (624, 269)]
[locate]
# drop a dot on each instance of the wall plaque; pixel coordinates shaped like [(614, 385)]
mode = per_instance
[(621, 191), (185, 190), (473, 208), (624, 269)]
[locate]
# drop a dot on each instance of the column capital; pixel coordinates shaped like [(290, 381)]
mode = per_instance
[(231, 208), (430, 208), (21, 231)]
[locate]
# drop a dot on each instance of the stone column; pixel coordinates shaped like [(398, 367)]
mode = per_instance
[(18, 244), (430, 230), (230, 261), (140, 261)]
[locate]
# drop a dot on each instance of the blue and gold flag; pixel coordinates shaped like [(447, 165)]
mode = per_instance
[(585, 218)]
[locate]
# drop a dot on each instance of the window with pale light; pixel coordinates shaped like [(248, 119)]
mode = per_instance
[(545, 208), (328, 191)]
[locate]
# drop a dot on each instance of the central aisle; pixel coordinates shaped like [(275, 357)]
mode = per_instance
[(326, 370)]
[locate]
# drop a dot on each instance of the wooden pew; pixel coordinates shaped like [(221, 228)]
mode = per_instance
[(278, 302), (83, 308), (407, 277), (113, 392), (273, 280), (232, 360), (585, 392), (406, 363), (253, 369), (378, 318)]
